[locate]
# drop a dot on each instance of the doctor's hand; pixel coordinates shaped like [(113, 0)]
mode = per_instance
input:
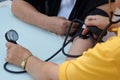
[(95, 20), (16, 53)]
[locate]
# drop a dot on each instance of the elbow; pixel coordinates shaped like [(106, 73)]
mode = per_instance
[(13, 11), (16, 7), (13, 8)]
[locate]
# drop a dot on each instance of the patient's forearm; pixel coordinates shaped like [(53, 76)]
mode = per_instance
[(79, 45), (28, 13)]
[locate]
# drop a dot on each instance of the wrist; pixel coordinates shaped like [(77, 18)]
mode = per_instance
[(24, 62)]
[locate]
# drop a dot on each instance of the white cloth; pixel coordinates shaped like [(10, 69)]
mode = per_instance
[(66, 8), (5, 3)]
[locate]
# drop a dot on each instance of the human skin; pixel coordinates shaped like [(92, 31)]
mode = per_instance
[(29, 14), (101, 21), (118, 3), (37, 68), (80, 45), (55, 24)]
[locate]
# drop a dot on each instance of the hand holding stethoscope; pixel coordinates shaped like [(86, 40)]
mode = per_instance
[(110, 22), (12, 36)]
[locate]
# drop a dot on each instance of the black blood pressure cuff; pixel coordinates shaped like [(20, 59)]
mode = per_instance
[(97, 11), (93, 29)]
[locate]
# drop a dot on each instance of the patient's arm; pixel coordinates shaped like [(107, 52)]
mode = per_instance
[(27, 13)]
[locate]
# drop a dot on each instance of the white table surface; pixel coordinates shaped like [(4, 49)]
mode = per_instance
[(40, 42)]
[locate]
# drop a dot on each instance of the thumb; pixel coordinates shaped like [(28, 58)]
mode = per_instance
[(85, 31)]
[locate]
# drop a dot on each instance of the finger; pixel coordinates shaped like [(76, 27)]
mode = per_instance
[(95, 36), (90, 21), (90, 17), (8, 55), (85, 31), (9, 45), (6, 59)]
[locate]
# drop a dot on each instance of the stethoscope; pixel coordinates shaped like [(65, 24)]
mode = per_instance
[(12, 36), (111, 22)]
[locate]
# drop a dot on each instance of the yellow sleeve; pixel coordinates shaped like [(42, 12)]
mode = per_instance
[(99, 63)]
